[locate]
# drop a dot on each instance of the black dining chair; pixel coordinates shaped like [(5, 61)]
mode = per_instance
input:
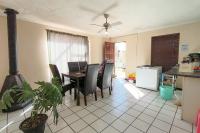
[(90, 82), (73, 67), (82, 65), (105, 81), (55, 72)]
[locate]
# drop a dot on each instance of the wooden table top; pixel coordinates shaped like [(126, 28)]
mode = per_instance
[(74, 75)]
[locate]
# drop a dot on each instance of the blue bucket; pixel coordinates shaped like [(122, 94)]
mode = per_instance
[(166, 92)]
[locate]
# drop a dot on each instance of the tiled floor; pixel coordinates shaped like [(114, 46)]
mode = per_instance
[(128, 109)]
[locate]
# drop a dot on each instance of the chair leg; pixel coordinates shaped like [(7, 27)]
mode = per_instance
[(70, 91), (74, 93), (85, 100), (110, 90), (102, 93), (111, 84), (95, 94)]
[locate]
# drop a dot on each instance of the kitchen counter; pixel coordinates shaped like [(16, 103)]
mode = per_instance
[(190, 94), (183, 74)]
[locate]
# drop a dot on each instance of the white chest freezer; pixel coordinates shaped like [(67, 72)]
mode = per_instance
[(148, 77)]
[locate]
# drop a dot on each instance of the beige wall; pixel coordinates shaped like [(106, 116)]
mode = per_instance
[(32, 50), (139, 45)]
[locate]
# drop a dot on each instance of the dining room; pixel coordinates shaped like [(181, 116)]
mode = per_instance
[(73, 66)]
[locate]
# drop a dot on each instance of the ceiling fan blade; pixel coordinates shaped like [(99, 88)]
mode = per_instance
[(105, 10), (88, 10), (97, 25), (116, 23), (101, 30)]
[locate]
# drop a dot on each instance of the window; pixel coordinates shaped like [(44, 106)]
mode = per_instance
[(64, 47)]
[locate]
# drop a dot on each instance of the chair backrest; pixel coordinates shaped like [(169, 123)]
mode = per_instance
[(91, 78), (83, 65), (55, 72), (107, 75), (73, 66)]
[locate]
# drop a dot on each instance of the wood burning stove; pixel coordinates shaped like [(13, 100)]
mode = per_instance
[(14, 78)]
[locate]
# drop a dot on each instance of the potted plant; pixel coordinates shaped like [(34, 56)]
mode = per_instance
[(45, 98)]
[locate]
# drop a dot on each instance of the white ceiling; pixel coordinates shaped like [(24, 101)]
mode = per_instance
[(136, 15)]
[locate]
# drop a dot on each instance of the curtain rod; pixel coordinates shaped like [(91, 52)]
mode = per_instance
[(59, 32)]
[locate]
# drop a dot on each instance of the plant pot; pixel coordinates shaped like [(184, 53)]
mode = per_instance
[(34, 125)]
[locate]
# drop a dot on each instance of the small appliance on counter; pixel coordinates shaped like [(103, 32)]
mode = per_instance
[(195, 60), (191, 63)]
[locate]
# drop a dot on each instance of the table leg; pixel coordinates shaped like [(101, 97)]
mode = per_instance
[(111, 83), (78, 95)]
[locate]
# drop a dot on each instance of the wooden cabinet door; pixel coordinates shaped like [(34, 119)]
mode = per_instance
[(109, 51), (164, 51)]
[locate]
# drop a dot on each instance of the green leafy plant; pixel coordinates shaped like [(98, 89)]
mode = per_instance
[(46, 97)]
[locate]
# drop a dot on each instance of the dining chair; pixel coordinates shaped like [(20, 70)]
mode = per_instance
[(82, 65), (73, 67), (55, 72), (105, 81), (90, 82)]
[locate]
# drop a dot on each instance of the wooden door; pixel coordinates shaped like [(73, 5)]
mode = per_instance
[(109, 51), (165, 50)]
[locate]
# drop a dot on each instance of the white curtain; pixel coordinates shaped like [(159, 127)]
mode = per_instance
[(64, 48)]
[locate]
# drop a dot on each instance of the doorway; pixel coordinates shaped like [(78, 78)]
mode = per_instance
[(120, 59), (165, 50)]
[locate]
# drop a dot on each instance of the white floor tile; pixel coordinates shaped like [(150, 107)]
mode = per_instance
[(162, 125), (133, 112), (14, 127), (66, 130), (122, 108), (99, 112), (141, 125), (138, 107), (82, 113), (91, 108), (127, 118), (110, 130), (120, 125), (183, 124), (76, 108), (99, 104), (72, 118), (65, 113), (90, 118), (108, 118), (88, 130), (154, 108), (150, 112), (153, 129), (116, 112), (107, 108), (178, 130), (61, 124), (132, 130), (146, 118), (99, 125), (78, 125), (167, 112), (165, 118)]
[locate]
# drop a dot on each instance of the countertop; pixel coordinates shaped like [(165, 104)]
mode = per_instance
[(176, 72)]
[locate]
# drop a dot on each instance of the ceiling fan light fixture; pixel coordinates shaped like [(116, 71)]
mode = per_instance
[(106, 32)]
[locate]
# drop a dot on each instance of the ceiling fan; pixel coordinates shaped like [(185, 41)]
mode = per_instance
[(107, 25)]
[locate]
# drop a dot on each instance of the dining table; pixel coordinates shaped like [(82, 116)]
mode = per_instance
[(76, 76)]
